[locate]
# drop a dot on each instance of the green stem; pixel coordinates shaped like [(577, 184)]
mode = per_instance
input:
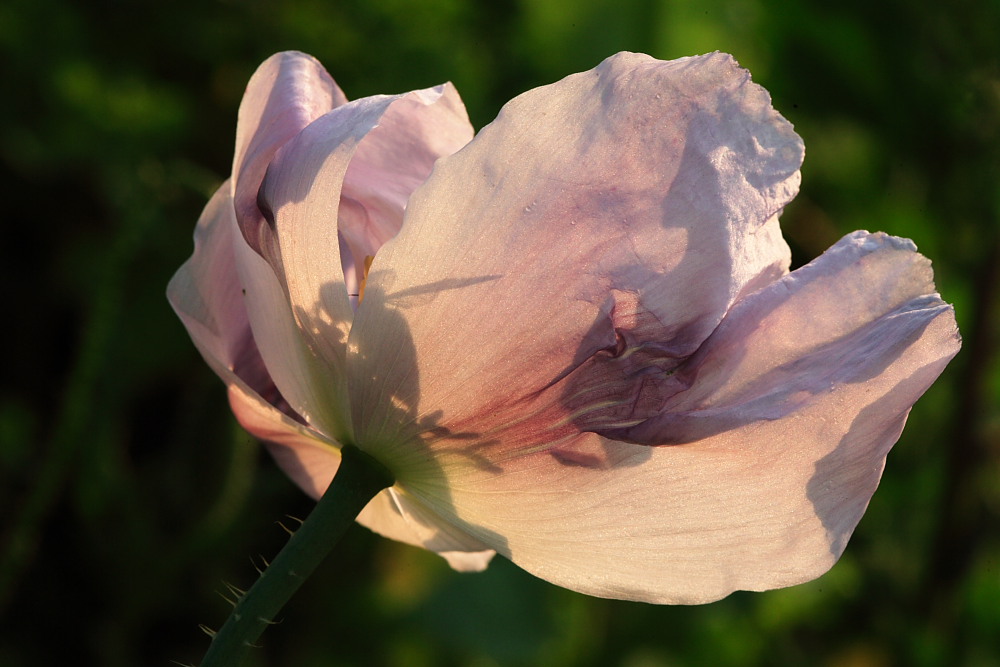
[(357, 481)]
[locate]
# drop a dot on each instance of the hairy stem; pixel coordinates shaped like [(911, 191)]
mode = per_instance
[(358, 480)]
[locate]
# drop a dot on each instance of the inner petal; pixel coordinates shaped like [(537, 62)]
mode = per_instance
[(392, 161)]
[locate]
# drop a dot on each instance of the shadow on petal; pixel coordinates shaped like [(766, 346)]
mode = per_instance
[(846, 478), (384, 385)]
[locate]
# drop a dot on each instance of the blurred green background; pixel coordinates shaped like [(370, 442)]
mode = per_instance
[(129, 496)]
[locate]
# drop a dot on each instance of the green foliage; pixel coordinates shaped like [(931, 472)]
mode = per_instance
[(129, 494)]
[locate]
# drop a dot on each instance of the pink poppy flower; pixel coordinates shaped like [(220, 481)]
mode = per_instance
[(578, 343)]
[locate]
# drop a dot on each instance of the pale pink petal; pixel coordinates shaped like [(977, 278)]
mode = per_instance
[(205, 290), (468, 561), (301, 194), (225, 278), (207, 295), (286, 93), (390, 163), (397, 516), (838, 320), (619, 211), (312, 465), (825, 366), (308, 457), (314, 387), (311, 460)]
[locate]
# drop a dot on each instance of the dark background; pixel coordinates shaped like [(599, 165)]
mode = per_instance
[(127, 494)]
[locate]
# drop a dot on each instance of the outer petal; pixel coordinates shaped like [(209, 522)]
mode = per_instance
[(396, 515), (763, 500), (623, 209), (206, 294), (286, 93), (303, 453)]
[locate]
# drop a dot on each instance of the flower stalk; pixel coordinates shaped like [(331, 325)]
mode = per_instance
[(357, 481)]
